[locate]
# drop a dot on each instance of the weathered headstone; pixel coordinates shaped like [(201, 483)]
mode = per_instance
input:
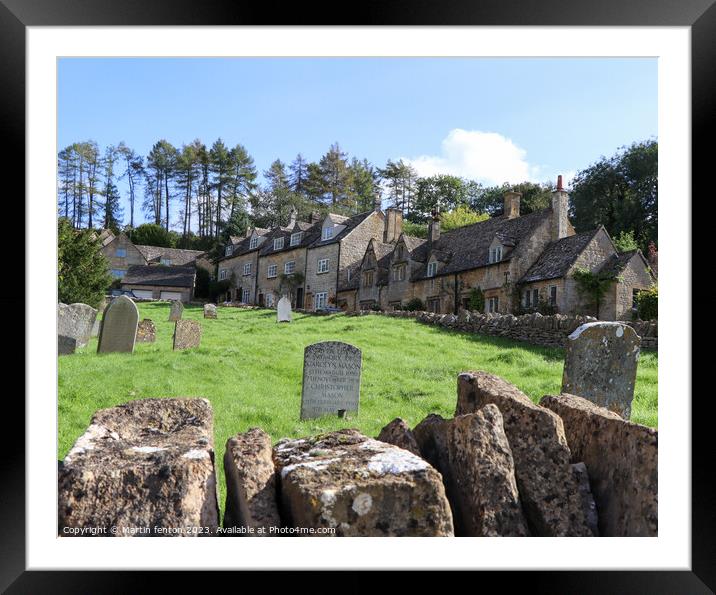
[(209, 310), (76, 320), (600, 365), (95, 327), (142, 468), (119, 326), (146, 331), (66, 345), (331, 379), (283, 310), (187, 334), (176, 311)]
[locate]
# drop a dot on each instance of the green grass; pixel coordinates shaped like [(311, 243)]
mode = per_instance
[(250, 368)]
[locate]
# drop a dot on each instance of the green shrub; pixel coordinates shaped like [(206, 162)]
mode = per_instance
[(476, 299), (217, 288), (647, 303), (414, 304)]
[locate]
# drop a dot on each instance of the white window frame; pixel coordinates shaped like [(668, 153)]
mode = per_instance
[(296, 238), (271, 271), (269, 300), (286, 270), (222, 274), (165, 261), (493, 304), (247, 268), (496, 254), (253, 242), (432, 269), (327, 233), (245, 294), (278, 243), (322, 266), (122, 250), (229, 251), (321, 299)]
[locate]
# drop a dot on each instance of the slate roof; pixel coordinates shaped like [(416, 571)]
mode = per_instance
[(558, 257), (311, 231), (467, 248), (350, 222), (155, 275), (614, 266), (412, 243), (178, 256)]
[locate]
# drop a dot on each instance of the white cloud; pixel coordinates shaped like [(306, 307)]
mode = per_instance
[(487, 157)]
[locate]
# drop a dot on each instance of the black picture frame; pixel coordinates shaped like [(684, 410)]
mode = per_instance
[(16, 15)]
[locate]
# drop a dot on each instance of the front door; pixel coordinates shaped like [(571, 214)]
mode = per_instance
[(299, 297), (261, 299)]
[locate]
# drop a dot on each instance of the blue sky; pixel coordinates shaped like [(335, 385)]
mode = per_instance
[(490, 119)]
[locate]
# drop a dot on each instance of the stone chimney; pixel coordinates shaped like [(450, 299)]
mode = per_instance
[(292, 217), (511, 204), (393, 225), (377, 203), (434, 227), (560, 206), (315, 217)]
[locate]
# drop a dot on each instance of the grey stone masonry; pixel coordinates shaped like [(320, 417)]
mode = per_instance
[(76, 321)]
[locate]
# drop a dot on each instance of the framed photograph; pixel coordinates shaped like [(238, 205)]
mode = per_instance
[(383, 280)]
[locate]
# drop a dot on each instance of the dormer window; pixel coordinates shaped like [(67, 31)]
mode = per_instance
[(327, 233), (253, 243), (165, 261), (296, 238), (278, 243), (229, 250), (120, 252), (496, 254), (432, 269)]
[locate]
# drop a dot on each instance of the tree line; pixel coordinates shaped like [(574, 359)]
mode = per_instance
[(201, 195)]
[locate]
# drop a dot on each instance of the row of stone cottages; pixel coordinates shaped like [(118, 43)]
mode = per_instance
[(367, 261)]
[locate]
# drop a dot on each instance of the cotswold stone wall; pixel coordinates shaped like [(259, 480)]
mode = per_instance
[(550, 331)]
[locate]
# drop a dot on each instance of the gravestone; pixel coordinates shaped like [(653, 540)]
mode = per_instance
[(209, 310), (600, 365), (331, 379), (76, 321), (176, 311), (283, 310), (119, 326), (187, 334), (146, 331), (66, 345), (95, 327)]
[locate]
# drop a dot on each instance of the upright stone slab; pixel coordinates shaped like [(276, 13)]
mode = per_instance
[(145, 468), (209, 310), (622, 462), (119, 326), (76, 321), (66, 345), (176, 310), (146, 331), (548, 489), (283, 310), (331, 379), (360, 487), (187, 334), (398, 433), (251, 494), (600, 365)]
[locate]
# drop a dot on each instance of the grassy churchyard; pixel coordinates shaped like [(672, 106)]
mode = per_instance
[(250, 368)]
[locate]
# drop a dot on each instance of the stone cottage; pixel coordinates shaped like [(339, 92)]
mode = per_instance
[(240, 263)]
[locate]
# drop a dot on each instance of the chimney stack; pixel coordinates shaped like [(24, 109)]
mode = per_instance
[(434, 227), (511, 204), (377, 203), (292, 219), (560, 206), (393, 225), (315, 217)]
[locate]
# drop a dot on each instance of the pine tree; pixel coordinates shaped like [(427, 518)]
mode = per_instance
[(335, 174)]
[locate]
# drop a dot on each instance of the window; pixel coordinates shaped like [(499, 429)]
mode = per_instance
[(247, 268), (271, 271), (229, 251), (245, 296), (296, 238), (634, 298), (527, 300), (535, 297), (327, 233), (322, 265), (368, 278), (120, 252), (269, 300), (399, 273), (118, 273), (321, 300), (496, 254), (253, 243), (493, 304), (434, 305), (433, 268), (277, 243), (289, 267), (222, 274), (552, 295), (165, 261)]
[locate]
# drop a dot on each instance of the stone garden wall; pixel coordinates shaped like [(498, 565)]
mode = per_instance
[(550, 331)]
